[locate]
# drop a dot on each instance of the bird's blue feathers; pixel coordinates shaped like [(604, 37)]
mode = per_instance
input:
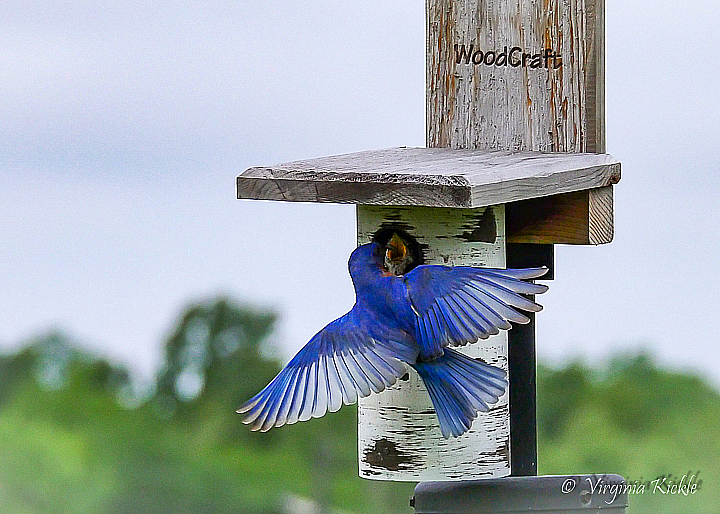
[(341, 363), (459, 388), (411, 319), (460, 305)]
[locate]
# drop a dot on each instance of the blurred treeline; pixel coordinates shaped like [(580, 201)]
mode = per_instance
[(76, 436)]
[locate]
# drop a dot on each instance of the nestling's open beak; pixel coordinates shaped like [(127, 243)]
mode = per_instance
[(395, 249)]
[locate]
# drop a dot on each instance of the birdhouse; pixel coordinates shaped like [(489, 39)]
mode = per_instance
[(514, 164)]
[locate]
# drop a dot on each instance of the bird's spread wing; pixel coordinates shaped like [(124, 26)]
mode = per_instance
[(341, 363), (460, 305)]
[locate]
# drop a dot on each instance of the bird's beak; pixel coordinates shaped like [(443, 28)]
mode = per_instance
[(396, 248)]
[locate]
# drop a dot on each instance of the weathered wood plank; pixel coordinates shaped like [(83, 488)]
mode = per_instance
[(436, 177), (398, 433), (595, 78), (581, 217), (600, 215), (533, 80)]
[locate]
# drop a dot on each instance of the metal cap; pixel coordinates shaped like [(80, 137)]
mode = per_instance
[(566, 494)]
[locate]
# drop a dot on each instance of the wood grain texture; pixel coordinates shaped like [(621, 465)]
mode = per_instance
[(436, 177), (600, 215), (595, 78), (398, 433), (516, 108), (581, 217)]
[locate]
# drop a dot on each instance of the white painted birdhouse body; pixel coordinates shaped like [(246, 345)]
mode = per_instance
[(398, 433)]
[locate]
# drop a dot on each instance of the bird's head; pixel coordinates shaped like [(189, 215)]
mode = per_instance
[(401, 251)]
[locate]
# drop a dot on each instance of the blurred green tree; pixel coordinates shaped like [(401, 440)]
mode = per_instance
[(68, 445), (561, 392), (216, 359)]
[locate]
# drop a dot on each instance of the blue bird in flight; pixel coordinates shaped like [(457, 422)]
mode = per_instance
[(405, 314)]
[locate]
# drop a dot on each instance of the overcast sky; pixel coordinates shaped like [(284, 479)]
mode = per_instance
[(124, 124)]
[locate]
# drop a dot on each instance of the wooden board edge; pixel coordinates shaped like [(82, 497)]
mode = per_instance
[(580, 218), (365, 193), (534, 188), (601, 219), (595, 77)]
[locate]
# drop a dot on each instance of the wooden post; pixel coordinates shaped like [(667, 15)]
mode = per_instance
[(516, 75)]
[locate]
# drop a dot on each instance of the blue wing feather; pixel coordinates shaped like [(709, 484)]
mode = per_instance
[(344, 361), (459, 388), (459, 305)]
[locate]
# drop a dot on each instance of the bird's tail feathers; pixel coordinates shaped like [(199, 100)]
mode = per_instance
[(460, 387)]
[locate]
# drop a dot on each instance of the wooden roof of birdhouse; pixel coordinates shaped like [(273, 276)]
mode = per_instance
[(568, 192), (434, 177)]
